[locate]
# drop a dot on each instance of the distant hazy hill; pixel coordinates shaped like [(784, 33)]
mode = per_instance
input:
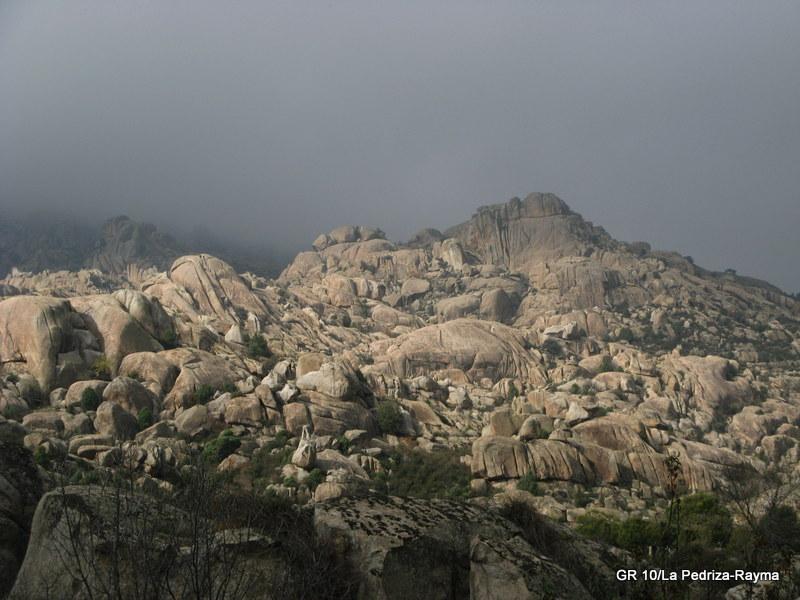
[(36, 243)]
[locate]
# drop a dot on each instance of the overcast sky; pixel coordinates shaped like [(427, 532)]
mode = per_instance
[(677, 123)]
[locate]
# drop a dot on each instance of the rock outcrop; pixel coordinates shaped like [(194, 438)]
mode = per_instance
[(20, 489), (459, 551), (38, 335), (477, 348)]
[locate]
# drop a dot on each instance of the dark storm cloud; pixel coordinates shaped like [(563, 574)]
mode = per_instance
[(676, 123)]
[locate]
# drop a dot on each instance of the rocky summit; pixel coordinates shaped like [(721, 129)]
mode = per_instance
[(515, 407)]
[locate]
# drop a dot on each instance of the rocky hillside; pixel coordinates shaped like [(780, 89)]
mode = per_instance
[(524, 349)]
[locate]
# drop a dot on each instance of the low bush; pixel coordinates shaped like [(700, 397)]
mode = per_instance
[(528, 483), (390, 417), (169, 339), (229, 388), (699, 536), (343, 444), (552, 347), (279, 441), (41, 457), (581, 498), (265, 464), (203, 394), (90, 399), (598, 526), (626, 334), (144, 418), (730, 372), (101, 368), (421, 474), (221, 448), (315, 477), (257, 346), (607, 365), (15, 412)]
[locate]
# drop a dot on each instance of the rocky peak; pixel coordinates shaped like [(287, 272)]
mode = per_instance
[(522, 233), (535, 205)]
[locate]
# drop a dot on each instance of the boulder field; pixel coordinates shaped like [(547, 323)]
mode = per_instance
[(526, 345)]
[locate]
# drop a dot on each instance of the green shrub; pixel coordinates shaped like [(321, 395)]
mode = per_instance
[(780, 530), (257, 346), (528, 483), (279, 441), (581, 499), (552, 347), (626, 334), (202, 394), (101, 368), (290, 482), (344, 444), (705, 519), (90, 399), (12, 378), (512, 392), (638, 535), (421, 474), (599, 526), (719, 422), (169, 339), (219, 449), (701, 533), (144, 418), (730, 372), (229, 388), (41, 457), (266, 463), (315, 477), (15, 412), (30, 391), (390, 417), (606, 365)]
